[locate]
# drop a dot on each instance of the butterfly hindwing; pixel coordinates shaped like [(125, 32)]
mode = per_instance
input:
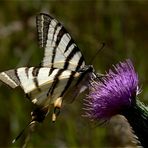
[(60, 51)]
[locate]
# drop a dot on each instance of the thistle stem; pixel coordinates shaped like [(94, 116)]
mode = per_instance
[(137, 116)]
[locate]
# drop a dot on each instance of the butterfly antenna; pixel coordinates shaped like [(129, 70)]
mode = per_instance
[(94, 56), (21, 133)]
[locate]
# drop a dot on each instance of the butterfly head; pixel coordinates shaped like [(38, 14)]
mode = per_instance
[(87, 68)]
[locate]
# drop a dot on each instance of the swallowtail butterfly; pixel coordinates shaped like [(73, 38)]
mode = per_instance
[(62, 71)]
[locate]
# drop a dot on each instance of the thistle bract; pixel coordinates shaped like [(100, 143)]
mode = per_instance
[(112, 93)]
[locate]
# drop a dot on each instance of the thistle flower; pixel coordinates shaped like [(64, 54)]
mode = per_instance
[(116, 93)]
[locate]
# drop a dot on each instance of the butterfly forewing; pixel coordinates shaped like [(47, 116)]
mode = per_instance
[(60, 49), (40, 84)]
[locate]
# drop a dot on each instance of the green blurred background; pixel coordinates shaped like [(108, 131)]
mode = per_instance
[(122, 25)]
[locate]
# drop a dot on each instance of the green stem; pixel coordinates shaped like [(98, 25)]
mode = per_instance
[(137, 116)]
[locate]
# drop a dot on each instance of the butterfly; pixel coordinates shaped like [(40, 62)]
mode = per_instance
[(62, 72)]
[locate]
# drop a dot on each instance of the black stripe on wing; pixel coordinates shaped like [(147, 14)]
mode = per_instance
[(68, 45), (26, 71), (16, 77), (35, 72), (55, 82), (70, 56), (50, 34), (50, 71), (81, 61), (71, 78)]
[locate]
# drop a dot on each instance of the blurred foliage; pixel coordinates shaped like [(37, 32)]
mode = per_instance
[(122, 25)]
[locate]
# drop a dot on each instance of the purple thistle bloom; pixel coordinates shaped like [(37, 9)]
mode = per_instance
[(113, 93)]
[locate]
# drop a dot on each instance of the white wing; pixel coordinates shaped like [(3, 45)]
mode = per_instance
[(40, 84), (60, 49)]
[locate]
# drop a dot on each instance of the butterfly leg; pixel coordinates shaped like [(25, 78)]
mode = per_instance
[(57, 107)]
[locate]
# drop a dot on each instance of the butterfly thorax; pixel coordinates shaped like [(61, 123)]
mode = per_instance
[(87, 68)]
